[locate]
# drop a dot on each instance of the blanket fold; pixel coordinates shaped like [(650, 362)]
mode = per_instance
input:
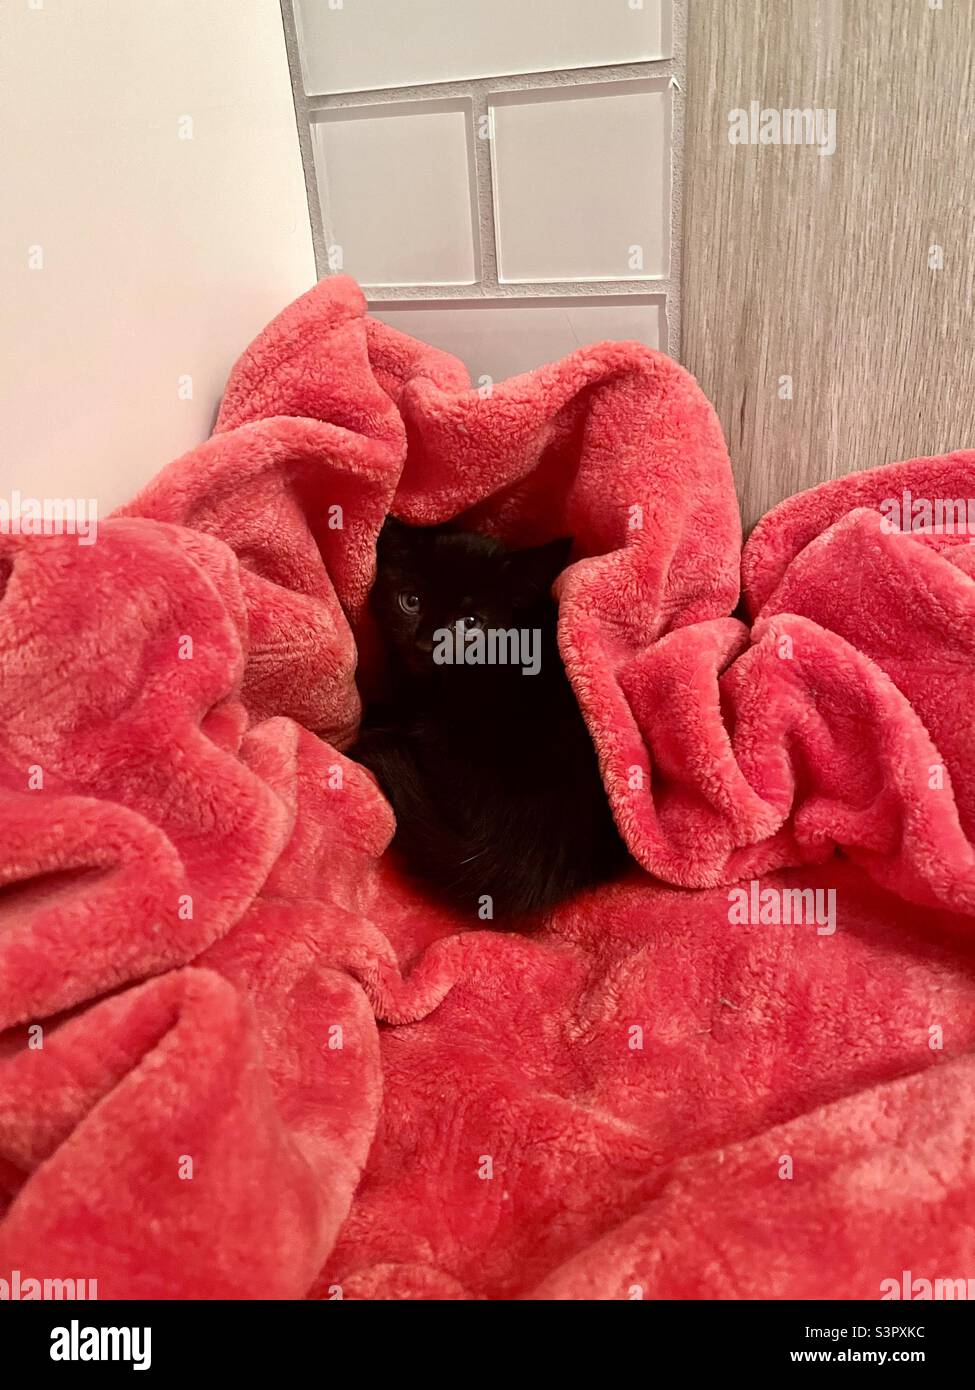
[(245, 1058)]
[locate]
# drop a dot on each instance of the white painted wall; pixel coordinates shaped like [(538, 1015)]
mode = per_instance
[(162, 256)]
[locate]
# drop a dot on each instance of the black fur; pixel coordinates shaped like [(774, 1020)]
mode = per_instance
[(491, 773)]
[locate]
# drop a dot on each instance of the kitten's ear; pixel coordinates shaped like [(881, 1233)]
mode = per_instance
[(531, 573), (394, 538)]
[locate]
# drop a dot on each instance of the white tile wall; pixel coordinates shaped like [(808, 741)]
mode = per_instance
[(358, 45), (582, 182), (499, 174), (394, 183), (498, 340)]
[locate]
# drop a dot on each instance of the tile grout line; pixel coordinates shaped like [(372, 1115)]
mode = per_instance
[(302, 118), (566, 78), (678, 92), (482, 120)]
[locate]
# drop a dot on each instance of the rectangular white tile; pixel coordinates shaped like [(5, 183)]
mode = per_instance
[(582, 181), (363, 44), (396, 191), (501, 338)]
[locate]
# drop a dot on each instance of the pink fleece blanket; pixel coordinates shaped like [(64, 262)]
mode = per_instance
[(243, 1058)]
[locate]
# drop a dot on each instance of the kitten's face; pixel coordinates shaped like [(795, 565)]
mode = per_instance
[(429, 579)]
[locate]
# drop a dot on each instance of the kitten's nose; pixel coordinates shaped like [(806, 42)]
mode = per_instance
[(424, 644)]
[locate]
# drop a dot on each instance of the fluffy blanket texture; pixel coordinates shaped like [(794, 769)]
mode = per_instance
[(267, 1067)]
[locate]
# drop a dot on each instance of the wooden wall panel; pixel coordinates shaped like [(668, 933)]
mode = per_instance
[(817, 267)]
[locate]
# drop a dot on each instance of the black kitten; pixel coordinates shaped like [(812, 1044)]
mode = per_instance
[(481, 748)]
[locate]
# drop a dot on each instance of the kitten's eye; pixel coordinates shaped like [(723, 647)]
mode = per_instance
[(410, 603), (471, 621)]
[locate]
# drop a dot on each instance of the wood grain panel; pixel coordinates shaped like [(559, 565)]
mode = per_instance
[(817, 267)]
